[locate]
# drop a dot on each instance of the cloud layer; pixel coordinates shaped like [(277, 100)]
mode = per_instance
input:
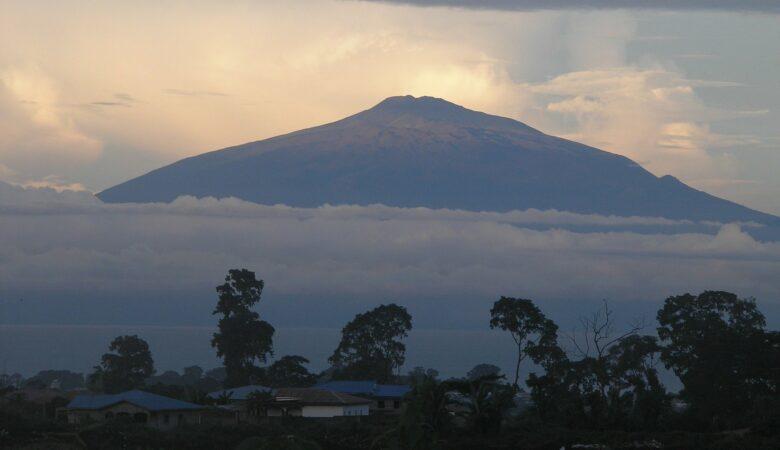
[(56, 245)]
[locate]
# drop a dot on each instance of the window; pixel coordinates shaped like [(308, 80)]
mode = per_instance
[(166, 418), (396, 404), (181, 419), (380, 404)]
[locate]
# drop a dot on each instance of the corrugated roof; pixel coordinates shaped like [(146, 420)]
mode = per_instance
[(349, 387), (391, 390), (367, 388), (146, 400), (239, 393), (316, 396)]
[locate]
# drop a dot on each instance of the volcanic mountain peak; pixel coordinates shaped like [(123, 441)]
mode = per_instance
[(418, 112), (426, 151)]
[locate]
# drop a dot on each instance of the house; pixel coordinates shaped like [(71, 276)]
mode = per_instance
[(236, 401), (143, 407), (385, 398), (284, 402), (238, 394), (313, 402)]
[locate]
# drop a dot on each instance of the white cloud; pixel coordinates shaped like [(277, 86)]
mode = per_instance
[(652, 115), (70, 242)]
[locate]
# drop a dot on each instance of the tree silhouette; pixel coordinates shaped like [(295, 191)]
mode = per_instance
[(370, 347), (126, 368), (526, 323), (242, 339)]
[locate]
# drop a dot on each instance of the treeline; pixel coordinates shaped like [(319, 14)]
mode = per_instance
[(598, 378)]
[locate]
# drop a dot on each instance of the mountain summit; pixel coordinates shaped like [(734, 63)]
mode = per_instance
[(425, 151)]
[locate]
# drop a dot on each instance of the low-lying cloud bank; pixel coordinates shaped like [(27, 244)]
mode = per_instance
[(534, 5), (59, 246)]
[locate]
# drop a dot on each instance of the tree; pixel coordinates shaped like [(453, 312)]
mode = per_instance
[(594, 344), (290, 371), (487, 400), (370, 347), (60, 379), (127, 368), (716, 344), (610, 380), (424, 418), (242, 338), (482, 371), (191, 375), (526, 323), (418, 374)]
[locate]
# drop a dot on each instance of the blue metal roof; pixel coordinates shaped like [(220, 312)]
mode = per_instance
[(146, 400), (239, 393), (391, 390), (349, 387), (366, 388)]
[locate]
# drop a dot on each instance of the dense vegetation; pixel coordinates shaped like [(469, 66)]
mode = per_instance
[(597, 385)]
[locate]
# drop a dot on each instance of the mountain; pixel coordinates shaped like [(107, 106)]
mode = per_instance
[(425, 151)]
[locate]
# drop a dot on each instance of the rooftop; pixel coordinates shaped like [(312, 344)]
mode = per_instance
[(239, 393), (315, 396), (367, 388), (146, 400)]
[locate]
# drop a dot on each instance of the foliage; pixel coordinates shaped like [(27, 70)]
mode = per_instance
[(258, 403), (370, 347), (290, 371), (186, 385), (62, 379), (487, 401), (419, 374), (612, 382), (126, 368), (289, 442), (483, 370), (242, 339), (526, 323), (716, 344), (424, 419)]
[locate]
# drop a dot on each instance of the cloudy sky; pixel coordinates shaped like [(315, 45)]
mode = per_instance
[(94, 93)]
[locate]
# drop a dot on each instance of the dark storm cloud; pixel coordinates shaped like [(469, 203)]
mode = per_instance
[(758, 6)]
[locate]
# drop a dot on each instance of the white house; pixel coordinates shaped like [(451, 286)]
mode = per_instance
[(312, 402)]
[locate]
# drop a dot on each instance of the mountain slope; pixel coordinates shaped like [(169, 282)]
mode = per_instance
[(425, 151)]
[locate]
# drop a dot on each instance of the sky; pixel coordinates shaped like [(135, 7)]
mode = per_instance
[(95, 93)]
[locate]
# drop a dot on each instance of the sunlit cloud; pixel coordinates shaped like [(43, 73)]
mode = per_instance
[(34, 127)]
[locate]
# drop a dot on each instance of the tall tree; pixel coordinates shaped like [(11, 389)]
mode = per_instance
[(126, 368), (290, 371), (527, 325), (242, 339), (371, 347), (716, 344)]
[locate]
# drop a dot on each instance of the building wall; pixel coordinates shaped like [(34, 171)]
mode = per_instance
[(291, 411), (322, 411), (164, 420), (356, 410), (386, 406)]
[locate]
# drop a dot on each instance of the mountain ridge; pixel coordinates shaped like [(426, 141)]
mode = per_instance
[(425, 151)]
